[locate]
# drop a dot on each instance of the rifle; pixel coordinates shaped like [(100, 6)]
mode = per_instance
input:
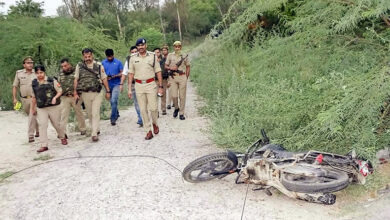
[(170, 72)]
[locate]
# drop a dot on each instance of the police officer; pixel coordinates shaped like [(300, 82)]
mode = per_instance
[(178, 81), (133, 50), (143, 68), (66, 79), (164, 73), (46, 96), (23, 79), (88, 79)]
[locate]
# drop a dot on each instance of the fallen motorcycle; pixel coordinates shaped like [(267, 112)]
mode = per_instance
[(311, 176)]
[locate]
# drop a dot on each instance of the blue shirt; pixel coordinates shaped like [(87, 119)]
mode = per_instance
[(112, 68)]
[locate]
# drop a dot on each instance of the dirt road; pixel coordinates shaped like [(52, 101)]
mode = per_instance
[(132, 187)]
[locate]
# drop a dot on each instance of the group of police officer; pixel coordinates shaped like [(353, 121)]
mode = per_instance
[(149, 75)]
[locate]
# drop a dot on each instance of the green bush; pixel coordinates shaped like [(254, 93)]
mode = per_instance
[(47, 40), (153, 37), (317, 84)]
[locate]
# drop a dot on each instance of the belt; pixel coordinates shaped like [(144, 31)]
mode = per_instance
[(144, 81), (180, 74), (69, 95), (27, 97)]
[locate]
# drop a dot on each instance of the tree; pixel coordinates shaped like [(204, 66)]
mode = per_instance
[(144, 4), (74, 7), (26, 8), (62, 11)]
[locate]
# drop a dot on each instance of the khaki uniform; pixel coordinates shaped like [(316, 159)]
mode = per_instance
[(164, 95), (92, 100), (178, 82), (165, 87), (67, 101), (23, 80), (143, 69), (169, 93), (51, 113)]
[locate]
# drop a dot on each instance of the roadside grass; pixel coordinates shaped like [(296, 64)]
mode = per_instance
[(374, 182), (43, 157), (5, 175), (322, 98)]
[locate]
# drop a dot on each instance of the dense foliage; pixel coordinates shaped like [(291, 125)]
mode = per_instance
[(47, 40), (96, 24), (125, 19), (313, 73)]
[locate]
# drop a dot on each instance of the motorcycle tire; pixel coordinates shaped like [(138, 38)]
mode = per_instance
[(201, 169), (332, 181)]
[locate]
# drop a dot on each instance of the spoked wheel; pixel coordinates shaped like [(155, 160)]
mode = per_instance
[(202, 169), (329, 181)]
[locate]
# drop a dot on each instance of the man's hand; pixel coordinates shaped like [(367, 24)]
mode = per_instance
[(15, 101), (121, 88), (160, 90), (76, 96), (129, 94), (53, 101), (108, 95), (173, 68), (33, 110)]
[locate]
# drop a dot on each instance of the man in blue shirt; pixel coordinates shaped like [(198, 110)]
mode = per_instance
[(113, 68)]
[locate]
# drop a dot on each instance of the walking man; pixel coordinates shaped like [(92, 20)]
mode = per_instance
[(113, 69), (66, 79), (88, 79), (164, 73), (179, 64), (23, 80), (143, 68), (46, 96), (133, 50)]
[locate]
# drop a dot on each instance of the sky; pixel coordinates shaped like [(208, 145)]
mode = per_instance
[(50, 6)]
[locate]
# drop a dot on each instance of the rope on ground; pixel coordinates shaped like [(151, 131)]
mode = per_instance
[(85, 157), (243, 206)]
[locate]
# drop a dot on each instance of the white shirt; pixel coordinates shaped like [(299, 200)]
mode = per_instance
[(126, 67)]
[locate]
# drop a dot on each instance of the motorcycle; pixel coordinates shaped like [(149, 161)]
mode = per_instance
[(311, 176)]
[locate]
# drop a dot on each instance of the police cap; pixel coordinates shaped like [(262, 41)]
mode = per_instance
[(140, 41)]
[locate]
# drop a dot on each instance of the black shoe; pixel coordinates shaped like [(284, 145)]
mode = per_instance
[(113, 123), (168, 106), (182, 117), (164, 113), (175, 113)]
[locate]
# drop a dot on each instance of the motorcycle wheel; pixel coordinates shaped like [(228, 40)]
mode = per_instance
[(201, 169), (331, 181)]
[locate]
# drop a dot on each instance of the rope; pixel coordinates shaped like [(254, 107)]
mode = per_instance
[(85, 157), (243, 206)]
